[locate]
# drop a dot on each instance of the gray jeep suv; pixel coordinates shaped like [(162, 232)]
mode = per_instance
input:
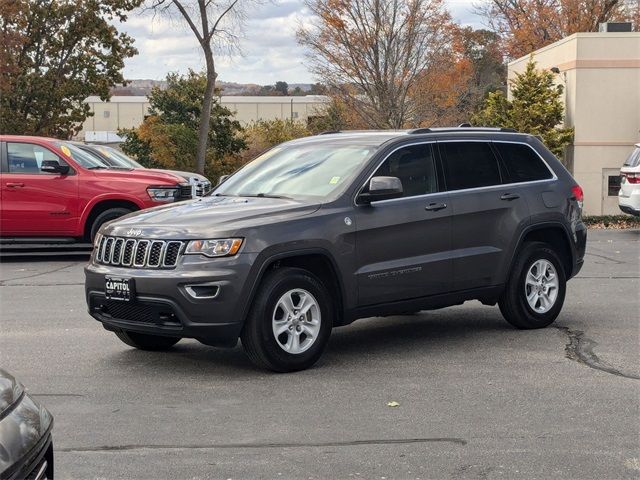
[(318, 232)]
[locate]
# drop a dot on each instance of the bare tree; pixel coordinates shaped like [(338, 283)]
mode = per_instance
[(215, 24), (370, 52)]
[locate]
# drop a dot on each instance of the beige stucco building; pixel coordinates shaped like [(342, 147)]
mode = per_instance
[(128, 112), (601, 73)]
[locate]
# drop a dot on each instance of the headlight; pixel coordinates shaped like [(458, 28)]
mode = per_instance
[(214, 248), (163, 194)]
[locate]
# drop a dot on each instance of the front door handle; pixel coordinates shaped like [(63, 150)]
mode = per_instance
[(15, 185), (510, 196), (434, 207)]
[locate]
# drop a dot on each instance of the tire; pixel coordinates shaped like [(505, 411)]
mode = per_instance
[(283, 353), (143, 341), (106, 216), (534, 257)]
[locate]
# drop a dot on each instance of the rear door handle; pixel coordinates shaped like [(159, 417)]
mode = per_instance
[(15, 185), (510, 196), (434, 207)]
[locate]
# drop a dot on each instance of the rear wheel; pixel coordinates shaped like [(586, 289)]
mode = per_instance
[(536, 288), (290, 321), (104, 217), (144, 341)]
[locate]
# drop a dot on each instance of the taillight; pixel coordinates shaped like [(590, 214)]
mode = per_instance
[(631, 177), (578, 195)]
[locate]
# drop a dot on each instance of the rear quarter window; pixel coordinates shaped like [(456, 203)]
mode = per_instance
[(522, 163)]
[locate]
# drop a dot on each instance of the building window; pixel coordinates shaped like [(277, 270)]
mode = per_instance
[(613, 184)]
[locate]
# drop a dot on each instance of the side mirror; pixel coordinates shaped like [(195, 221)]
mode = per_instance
[(381, 188), (222, 179), (53, 166)]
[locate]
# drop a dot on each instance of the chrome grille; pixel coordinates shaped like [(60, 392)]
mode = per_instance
[(127, 252), (202, 188)]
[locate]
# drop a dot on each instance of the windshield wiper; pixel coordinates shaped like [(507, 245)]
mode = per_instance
[(266, 195), (98, 167)]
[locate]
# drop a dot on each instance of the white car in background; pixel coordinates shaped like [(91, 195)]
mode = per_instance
[(629, 194)]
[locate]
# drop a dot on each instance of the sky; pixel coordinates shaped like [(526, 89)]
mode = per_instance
[(268, 48)]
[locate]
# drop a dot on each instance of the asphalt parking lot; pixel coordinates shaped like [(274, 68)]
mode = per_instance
[(477, 399)]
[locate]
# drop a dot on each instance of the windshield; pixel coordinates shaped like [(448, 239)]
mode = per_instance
[(298, 171), (82, 158), (634, 158), (118, 157)]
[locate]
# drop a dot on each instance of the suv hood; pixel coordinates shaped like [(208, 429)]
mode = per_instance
[(208, 216), (150, 177), (184, 175)]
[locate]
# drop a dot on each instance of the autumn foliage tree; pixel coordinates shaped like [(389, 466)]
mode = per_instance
[(528, 25), (168, 137), (54, 54), (370, 53), (536, 108)]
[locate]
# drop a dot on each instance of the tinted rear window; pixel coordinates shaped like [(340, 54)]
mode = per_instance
[(469, 165), (634, 158), (522, 163)]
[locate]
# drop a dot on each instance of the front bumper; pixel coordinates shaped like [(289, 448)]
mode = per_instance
[(164, 303), (26, 448)]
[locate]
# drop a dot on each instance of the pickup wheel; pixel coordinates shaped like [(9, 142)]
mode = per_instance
[(106, 216), (536, 288), (144, 341), (289, 322)]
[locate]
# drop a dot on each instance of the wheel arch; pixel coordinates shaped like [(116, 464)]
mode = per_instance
[(92, 212), (554, 234), (318, 261)]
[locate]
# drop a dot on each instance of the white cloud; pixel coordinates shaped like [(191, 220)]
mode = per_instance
[(269, 48)]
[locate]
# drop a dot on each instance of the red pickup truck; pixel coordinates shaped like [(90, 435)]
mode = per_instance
[(51, 189)]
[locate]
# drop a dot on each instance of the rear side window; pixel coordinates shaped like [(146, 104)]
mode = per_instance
[(27, 158), (634, 158), (469, 165), (522, 163)]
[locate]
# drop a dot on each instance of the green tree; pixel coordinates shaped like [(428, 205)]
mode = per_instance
[(536, 108), (54, 54), (168, 137), (282, 88)]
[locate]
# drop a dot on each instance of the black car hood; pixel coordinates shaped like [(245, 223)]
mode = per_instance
[(207, 216)]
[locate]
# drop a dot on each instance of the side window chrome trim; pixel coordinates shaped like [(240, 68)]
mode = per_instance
[(366, 182)]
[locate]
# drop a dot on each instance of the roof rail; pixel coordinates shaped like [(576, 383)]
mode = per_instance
[(464, 126)]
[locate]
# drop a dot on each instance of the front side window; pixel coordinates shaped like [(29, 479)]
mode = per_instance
[(414, 166), (522, 163), (27, 158), (314, 171), (469, 165)]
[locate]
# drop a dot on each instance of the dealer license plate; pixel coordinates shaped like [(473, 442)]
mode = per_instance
[(119, 288)]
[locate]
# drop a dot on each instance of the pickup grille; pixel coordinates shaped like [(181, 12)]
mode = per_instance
[(129, 252), (202, 188)]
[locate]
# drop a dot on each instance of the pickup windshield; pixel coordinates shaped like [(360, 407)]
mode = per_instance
[(298, 171)]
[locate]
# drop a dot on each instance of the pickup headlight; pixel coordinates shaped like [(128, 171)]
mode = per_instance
[(163, 194), (225, 247)]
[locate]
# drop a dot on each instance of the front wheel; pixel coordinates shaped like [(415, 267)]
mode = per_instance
[(143, 341), (290, 321), (536, 288)]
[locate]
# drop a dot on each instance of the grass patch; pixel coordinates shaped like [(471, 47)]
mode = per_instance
[(611, 221)]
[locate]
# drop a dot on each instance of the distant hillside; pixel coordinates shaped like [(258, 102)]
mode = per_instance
[(143, 87)]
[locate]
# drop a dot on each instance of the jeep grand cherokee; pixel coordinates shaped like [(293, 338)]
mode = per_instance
[(321, 231)]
